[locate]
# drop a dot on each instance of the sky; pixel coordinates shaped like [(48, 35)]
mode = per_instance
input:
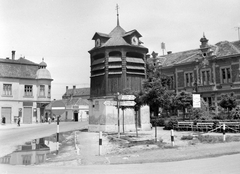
[(61, 31)]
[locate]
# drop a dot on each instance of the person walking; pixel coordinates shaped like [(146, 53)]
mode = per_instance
[(49, 120), (18, 121), (3, 120)]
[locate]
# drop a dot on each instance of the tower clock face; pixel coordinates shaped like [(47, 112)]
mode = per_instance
[(134, 40), (98, 43)]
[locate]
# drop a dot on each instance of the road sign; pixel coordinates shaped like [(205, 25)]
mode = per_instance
[(127, 103), (58, 107), (121, 103), (196, 101), (126, 97), (110, 103)]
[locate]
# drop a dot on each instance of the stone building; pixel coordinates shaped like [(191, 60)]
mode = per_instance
[(25, 89), (210, 70), (118, 62)]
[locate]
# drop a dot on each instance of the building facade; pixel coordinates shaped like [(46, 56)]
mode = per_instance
[(211, 70), (118, 62), (25, 89)]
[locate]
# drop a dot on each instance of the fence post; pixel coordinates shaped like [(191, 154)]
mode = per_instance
[(100, 143), (172, 137), (224, 136), (57, 134)]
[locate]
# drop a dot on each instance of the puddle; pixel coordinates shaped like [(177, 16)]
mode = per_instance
[(31, 153)]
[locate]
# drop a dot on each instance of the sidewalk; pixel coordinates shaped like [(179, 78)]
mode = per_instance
[(88, 142), (15, 126)]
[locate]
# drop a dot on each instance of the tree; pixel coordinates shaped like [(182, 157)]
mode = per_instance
[(182, 101), (154, 91), (228, 101)]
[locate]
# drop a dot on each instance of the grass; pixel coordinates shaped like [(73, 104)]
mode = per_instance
[(210, 138)]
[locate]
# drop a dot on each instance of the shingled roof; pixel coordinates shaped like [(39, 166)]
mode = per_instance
[(221, 50), (21, 68), (117, 37), (80, 92)]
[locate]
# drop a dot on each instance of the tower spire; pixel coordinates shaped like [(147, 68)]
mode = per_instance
[(117, 7)]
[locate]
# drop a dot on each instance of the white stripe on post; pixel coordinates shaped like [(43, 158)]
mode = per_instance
[(58, 108), (57, 134), (100, 143), (172, 137)]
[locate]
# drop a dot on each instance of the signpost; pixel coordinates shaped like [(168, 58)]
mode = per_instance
[(122, 100), (126, 97), (121, 103), (196, 101), (58, 108)]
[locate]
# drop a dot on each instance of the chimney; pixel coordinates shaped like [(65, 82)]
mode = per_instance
[(169, 52), (74, 87), (13, 55), (66, 89)]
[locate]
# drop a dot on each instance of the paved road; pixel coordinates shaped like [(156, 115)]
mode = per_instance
[(11, 135), (220, 165)]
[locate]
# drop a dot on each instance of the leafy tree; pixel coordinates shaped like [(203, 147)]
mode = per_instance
[(182, 101), (228, 101), (154, 91), (200, 113)]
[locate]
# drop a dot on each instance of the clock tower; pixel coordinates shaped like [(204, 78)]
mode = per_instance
[(118, 62)]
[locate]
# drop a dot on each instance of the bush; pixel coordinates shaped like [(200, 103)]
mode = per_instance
[(187, 137), (170, 124), (209, 139), (158, 122)]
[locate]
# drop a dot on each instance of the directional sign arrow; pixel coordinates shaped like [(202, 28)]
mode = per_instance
[(110, 103), (126, 97), (127, 103)]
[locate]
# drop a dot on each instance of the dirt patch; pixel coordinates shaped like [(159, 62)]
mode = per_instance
[(144, 148)]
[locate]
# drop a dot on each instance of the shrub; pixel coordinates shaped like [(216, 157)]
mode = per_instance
[(187, 137), (209, 139), (158, 122), (170, 124)]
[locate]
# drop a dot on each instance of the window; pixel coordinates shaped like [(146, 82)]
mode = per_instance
[(171, 82), (42, 91), (188, 79), (26, 159), (28, 90), (226, 76), (205, 77), (49, 91), (7, 89)]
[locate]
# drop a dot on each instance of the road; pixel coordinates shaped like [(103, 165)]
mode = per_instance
[(220, 165), (13, 136)]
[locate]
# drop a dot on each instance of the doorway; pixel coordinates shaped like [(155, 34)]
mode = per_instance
[(75, 116)]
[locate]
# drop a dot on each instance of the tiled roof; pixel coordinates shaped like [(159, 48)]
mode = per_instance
[(101, 35), (21, 68), (75, 101), (116, 37), (78, 92), (70, 102), (221, 49)]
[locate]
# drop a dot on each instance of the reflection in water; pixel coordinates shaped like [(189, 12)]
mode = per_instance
[(30, 153)]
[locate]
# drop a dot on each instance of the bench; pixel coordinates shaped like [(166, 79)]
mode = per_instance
[(204, 126), (184, 125), (232, 126)]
